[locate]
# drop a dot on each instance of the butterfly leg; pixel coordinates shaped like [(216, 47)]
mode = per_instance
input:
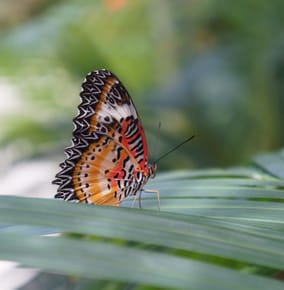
[(138, 197), (135, 199), (157, 192)]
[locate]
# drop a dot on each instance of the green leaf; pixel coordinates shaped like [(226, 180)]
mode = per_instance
[(200, 234), (104, 261), (272, 163), (215, 223)]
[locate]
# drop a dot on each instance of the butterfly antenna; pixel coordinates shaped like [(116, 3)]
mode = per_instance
[(175, 148)]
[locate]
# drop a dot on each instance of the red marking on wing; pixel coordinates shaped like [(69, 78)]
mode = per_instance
[(125, 142)]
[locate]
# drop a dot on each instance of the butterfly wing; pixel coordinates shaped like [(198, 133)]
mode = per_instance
[(108, 157)]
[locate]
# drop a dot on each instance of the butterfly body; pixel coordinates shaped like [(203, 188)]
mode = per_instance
[(108, 158)]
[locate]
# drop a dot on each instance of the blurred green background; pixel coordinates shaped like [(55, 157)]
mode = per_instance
[(210, 68)]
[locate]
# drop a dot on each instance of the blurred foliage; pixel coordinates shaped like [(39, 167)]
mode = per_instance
[(210, 68)]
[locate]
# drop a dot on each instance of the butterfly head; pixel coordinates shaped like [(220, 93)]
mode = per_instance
[(152, 168)]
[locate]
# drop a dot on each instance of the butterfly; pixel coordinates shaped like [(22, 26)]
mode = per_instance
[(108, 158)]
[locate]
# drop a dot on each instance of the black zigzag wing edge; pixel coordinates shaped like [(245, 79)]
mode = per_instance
[(90, 94)]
